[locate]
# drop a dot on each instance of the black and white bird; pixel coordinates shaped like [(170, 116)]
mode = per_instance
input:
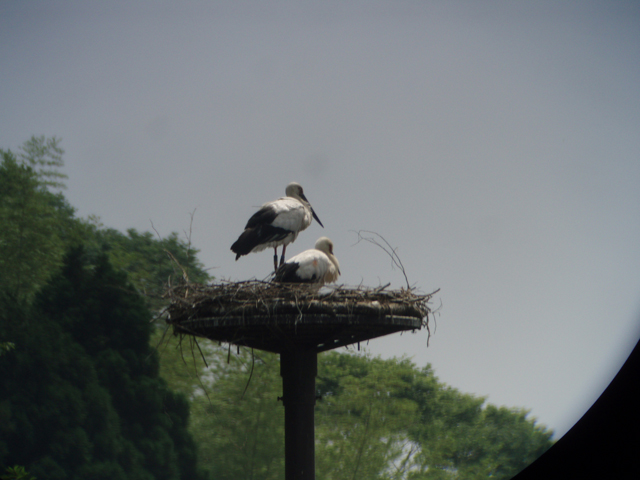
[(318, 265), (276, 223)]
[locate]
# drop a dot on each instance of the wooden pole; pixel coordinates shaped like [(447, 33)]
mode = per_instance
[(298, 369)]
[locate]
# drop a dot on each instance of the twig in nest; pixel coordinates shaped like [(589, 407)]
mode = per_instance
[(389, 251), (253, 361), (193, 339), (189, 234), (159, 344), (433, 313), (195, 367), (201, 354), (185, 275)]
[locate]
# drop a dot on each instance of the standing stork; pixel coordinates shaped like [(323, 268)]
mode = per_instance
[(317, 265), (276, 223)]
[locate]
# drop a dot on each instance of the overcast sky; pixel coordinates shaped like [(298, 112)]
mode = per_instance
[(495, 144)]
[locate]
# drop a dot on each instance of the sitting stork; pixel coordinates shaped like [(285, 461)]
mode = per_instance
[(276, 223), (318, 265)]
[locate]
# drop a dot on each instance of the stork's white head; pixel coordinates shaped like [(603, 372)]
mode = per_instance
[(294, 190), (325, 245)]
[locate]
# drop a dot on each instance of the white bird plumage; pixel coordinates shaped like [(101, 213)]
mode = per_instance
[(276, 223), (317, 265)]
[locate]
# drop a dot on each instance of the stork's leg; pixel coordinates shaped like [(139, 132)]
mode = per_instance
[(275, 258), (284, 247)]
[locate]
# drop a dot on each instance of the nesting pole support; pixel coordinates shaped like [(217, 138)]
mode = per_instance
[(297, 324), (299, 369)]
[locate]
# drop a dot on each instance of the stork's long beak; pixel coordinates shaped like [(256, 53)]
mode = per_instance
[(312, 211), (316, 216)]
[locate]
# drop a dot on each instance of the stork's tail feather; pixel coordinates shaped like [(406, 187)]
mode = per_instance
[(245, 243), (254, 237)]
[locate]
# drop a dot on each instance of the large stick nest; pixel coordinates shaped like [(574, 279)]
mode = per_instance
[(257, 298), (278, 317)]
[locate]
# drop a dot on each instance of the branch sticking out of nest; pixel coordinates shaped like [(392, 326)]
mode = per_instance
[(389, 250)]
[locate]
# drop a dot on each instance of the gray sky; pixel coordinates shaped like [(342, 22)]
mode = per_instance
[(495, 144)]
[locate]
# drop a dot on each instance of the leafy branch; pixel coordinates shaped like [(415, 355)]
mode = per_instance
[(16, 473)]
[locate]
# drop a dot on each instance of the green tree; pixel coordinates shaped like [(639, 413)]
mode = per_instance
[(80, 395), (37, 226), (33, 223), (151, 263), (363, 418), (378, 419), (462, 438), (44, 156), (75, 402), (16, 473), (241, 433), (236, 420)]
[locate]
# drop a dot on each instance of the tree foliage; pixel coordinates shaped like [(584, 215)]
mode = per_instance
[(80, 395), (150, 262), (462, 437), (240, 432), (36, 227), (44, 156), (378, 419), (16, 472), (362, 420), (236, 420)]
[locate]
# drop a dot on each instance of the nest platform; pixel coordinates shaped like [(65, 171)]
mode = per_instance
[(284, 317)]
